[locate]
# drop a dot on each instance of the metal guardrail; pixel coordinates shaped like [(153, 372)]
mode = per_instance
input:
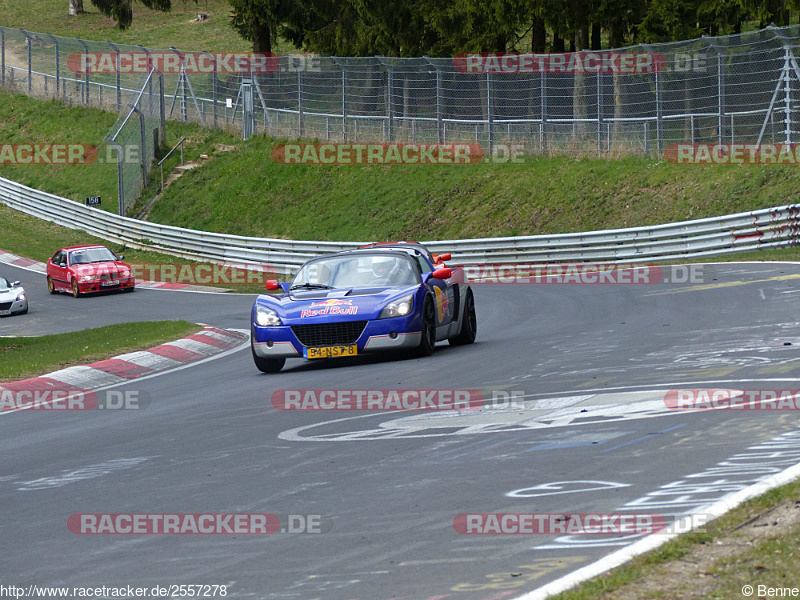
[(765, 228)]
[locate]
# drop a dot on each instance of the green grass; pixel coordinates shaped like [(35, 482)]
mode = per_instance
[(27, 357), (246, 193), (730, 572), (152, 29)]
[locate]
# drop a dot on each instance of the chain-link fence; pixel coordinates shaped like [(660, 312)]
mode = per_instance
[(136, 136), (739, 88)]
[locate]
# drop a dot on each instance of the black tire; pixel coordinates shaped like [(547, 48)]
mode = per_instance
[(469, 324), (51, 287), (75, 289), (130, 289), (428, 341), (267, 365)]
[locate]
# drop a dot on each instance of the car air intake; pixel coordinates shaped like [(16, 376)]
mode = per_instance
[(329, 334)]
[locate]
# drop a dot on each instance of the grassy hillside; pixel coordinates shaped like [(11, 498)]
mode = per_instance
[(151, 28), (241, 190)]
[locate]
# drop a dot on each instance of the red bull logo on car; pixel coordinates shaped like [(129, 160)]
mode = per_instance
[(331, 306)]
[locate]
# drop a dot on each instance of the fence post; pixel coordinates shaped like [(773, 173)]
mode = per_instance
[(162, 109), (247, 108), (2, 56), (85, 94), (116, 62), (543, 99), (440, 133), (599, 115), (390, 101), (30, 70), (344, 96), (300, 119), (344, 103), (182, 81), (720, 87), (490, 111), (789, 64), (58, 70), (120, 178), (143, 141)]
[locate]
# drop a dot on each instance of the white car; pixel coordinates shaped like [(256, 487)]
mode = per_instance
[(12, 298)]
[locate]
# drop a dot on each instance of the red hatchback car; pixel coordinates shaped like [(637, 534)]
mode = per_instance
[(83, 269)]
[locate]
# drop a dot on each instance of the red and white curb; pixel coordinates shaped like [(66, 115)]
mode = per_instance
[(202, 345), (39, 267)]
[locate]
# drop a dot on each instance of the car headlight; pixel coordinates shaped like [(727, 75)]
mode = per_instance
[(124, 274), (266, 317), (398, 308), (21, 297), (85, 278)]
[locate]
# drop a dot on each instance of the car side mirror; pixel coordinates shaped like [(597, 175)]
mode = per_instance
[(14, 283), (62, 265), (442, 257), (121, 257), (272, 285), (444, 273)]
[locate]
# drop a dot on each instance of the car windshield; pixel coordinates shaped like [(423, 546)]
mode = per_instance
[(357, 270), (91, 255), (4, 285)]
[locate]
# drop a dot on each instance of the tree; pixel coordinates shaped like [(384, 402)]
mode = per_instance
[(122, 10), (259, 21), (75, 7)]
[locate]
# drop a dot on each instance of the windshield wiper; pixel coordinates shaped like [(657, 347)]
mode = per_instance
[(311, 286)]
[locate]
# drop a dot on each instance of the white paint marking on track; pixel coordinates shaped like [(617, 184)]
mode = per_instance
[(623, 555), (557, 487)]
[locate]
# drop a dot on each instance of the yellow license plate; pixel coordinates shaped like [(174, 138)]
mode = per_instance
[(331, 351)]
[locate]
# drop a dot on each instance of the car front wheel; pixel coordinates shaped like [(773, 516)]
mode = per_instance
[(267, 365), (51, 287), (428, 342), (75, 290)]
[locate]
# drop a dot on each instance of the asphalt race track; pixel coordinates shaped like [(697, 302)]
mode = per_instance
[(588, 432)]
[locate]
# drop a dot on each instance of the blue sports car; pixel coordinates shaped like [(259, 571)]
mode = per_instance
[(387, 297)]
